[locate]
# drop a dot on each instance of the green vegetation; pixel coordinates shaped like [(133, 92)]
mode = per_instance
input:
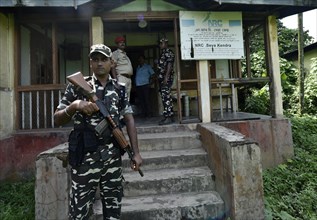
[(291, 189), (256, 99), (17, 200)]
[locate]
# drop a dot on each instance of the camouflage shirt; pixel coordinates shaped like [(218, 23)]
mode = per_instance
[(167, 56), (115, 103)]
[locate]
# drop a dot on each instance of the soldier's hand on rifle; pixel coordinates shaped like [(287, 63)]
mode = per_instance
[(87, 107), (137, 161)]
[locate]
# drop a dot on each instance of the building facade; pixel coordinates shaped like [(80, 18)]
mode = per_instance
[(42, 42)]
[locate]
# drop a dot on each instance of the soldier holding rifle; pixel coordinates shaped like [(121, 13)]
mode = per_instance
[(95, 157)]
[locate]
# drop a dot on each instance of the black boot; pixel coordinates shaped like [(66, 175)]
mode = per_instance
[(162, 120), (166, 121)]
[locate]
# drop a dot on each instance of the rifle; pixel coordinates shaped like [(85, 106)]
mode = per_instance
[(78, 80)]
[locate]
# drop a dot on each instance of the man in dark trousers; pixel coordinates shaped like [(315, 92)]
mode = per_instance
[(144, 72), (96, 159), (165, 78)]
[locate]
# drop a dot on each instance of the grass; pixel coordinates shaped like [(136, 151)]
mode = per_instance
[(17, 200)]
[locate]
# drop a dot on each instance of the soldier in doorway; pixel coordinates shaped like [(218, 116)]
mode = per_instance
[(165, 78)]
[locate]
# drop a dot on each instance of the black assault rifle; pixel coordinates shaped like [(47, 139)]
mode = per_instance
[(78, 80)]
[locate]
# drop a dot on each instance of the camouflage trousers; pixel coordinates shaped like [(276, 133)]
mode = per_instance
[(167, 101), (85, 178)]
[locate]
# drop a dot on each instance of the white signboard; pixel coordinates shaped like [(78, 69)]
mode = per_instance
[(211, 35)]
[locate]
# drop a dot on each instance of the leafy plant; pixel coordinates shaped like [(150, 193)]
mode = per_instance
[(310, 95), (250, 100), (290, 189), (258, 101), (17, 200)]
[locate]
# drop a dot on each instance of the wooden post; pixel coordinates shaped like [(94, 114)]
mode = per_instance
[(301, 62), (273, 67), (54, 54), (97, 30), (247, 51), (177, 59), (204, 87)]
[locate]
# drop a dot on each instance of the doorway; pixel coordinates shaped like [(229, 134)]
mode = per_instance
[(145, 41)]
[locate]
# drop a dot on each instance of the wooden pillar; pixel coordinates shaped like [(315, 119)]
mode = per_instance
[(301, 62), (273, 67), (54, 54), (8, 75), (177, 59), (204, 88), (97, 36), (247, 51)]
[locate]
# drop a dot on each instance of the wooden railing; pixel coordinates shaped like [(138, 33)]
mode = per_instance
[(232, 83), (37, 104)]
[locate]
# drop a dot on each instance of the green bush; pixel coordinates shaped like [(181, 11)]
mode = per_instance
[(258, 102), (256, 99), (17, 200), (290, 189), (310, 95)]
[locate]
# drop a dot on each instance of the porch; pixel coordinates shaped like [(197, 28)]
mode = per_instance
[(217, 118), (37, 104)]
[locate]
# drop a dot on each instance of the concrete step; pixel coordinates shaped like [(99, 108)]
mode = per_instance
[(177, 183), (169, 181), (180, 158), (166, 128), (182, 206), (168, 141)]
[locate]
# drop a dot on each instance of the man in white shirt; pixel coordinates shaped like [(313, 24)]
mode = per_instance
[(122, 65)]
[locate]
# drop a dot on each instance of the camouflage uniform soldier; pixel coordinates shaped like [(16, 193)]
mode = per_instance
[(165, 78), (96, 159)]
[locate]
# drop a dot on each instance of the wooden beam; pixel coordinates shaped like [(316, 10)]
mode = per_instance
[(176, 48), (301, 62), (270, 2), (133, 16), (247, 50), (204, 88), (273, 67), (148, 5), (97, 30), (54, 54), (241, 81)]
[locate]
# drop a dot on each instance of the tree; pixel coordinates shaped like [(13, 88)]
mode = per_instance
[(288, 41), (287, 38)]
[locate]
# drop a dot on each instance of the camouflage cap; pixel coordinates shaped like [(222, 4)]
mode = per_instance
[(100, 48), (163, 39)]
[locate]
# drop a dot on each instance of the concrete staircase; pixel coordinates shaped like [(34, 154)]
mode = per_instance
[(177, 183)]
